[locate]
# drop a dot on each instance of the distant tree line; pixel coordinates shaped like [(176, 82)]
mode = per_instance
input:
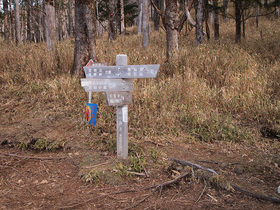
[(54, 20)]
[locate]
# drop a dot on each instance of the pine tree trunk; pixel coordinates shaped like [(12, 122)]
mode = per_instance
[(50, 24), (122, 17), (199, 22), (6, 21), (237, 21), (156, 16), (28, 20), (12, 29), (17, 22), (145, 23), (113, 19), (257, 13), (70, 18), (216, 21), (171, 17), (225, 5), (140, 12), (84, 35)]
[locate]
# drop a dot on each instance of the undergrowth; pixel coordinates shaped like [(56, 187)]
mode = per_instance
[(212, 92)]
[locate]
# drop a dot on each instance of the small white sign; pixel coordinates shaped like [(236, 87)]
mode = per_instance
[(125, 113)]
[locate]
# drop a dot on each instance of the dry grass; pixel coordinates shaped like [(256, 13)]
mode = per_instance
[(218, 91)]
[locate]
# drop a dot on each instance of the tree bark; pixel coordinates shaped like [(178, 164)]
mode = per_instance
[(140, 12), (257, 13), (17, 22), (6, 21), (70, 18), (50, 24), (156, 17), (199, 22), (28, 20), (216, 21), (225, 5), (237, 21), (122, 17), (171, 20), (113, 19), (145, 23), (84, 35), (12, 29)]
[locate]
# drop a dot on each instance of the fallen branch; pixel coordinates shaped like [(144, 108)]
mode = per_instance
[(235, 187), (193, 165), (217, 163), (34, 158), (157, 187)]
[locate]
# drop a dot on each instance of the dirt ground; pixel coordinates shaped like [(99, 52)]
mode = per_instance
[(32, 179)]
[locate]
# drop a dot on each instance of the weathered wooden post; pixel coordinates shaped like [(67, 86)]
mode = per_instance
[(117, 84), (122, 118)]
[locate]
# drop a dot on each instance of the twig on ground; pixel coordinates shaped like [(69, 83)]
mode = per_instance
[(142, 200), (34, 158), (216, 163), (193, 165), (157, 144), (199, 196), (235, 187)]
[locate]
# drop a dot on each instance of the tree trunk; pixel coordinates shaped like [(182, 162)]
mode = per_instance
[(199, 22), (225, 5), (50, 24), (122, 17), (257, 13), (216, 21), (17, 22), (145, 23), (28, 20), (84, 35), (170, 19), (243, 25), (12, 29), (237, 21), (140, 12), (58, 20), (156, 16), (70, 18), (211, 13), (6, 21), (206, 17), (113, 19)]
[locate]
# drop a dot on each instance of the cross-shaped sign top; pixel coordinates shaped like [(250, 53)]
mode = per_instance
[(117, 83)]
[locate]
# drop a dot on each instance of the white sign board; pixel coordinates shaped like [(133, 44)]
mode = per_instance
[(133, 71)]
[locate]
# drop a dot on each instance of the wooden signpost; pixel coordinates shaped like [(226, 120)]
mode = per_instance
[(117, 84)]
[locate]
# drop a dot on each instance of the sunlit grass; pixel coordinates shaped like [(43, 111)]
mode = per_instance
[(211, 92)]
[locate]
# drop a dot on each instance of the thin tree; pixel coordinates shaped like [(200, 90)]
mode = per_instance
[(238, 5), (145, 23), (17, 22), (6, 22), (225, 7), (199, 22), (70, 18), (113, 19), (216, 21), (50, 24), (156, 17), (122, 17), (85, 47), (28, 20), (140, 12)]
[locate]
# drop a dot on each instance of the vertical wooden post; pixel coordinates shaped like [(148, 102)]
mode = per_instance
[(122, 119)]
